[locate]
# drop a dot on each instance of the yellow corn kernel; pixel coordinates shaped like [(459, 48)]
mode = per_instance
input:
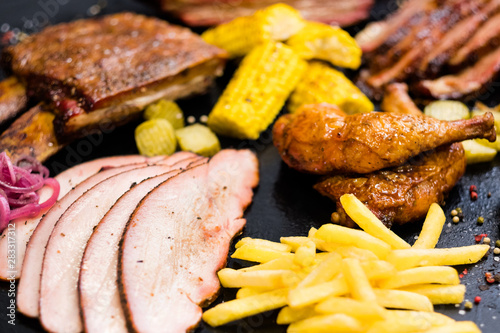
[(257, 92), (324, 84), (239, 36), (322, 41), (155, 137), (199, 139), (168, 110)]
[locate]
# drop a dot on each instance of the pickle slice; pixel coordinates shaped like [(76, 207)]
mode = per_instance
[(155, 137), (447, 110), (168, 110), (198, 139)]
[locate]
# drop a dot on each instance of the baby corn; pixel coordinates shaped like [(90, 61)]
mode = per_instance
[(257, 92), (321, 41), (238, 37), (324, 84)]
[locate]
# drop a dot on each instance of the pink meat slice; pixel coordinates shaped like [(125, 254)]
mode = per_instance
[(98, 289), (28, 295), (59, 307), (178, 238), (67, 180)]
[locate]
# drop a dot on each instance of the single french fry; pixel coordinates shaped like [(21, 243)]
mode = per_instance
[(421, 275), (440, 294), (404, 321), (227, 312), (295, 241), (378, 269), (362, 310), (431, 230), (404, 259), (252, 253), (305, 254), (355, 252), (328, 323), (456, 327), (356, 279), (283, 262), (367, 221), (289, 315), (231, 278), (325, 271), (347, 236), (300, 297), (263, 243), (400, 299), (312, 232), (250, 291)]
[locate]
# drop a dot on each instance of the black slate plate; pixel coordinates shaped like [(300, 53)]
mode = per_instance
[(284, 203)]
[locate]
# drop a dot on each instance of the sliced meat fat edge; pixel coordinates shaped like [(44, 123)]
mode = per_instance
[(59, 306), (98, 289), (28, 296), (67, 180), (178, 238)]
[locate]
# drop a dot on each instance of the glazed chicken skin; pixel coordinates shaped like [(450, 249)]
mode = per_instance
[(403, 194), (318, 141)]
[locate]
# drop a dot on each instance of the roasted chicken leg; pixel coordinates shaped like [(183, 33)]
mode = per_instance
[(321, 142), (403, 194)]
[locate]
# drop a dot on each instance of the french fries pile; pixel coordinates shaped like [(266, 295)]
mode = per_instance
[(276, 43), (339, 279)]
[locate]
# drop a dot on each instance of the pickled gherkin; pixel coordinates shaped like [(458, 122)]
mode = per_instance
[(198, 139), (155, 137), (447, 110), (168, 110)]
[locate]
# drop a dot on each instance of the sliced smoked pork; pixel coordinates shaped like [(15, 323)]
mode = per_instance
[(98, 289), (28, 296), (178, 238), (59, 306), (67, 180)]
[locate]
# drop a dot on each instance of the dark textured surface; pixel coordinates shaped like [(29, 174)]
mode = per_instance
[(285, 203)]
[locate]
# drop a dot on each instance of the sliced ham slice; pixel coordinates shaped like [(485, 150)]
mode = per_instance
[(98, 289), (178, 238), (59, 308), (67, 180), (28, 295)]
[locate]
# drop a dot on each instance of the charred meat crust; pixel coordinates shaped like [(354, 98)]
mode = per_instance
[(12, 98), (105, 61)]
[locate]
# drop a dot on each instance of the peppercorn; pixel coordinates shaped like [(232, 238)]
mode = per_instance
[(489, 277), (455, 219), (497, 243), (468, 305), (480, 220), (454, 212), (459, 210), (486, 240), (477, 299), (497, 277), (473, 188), (335, 217), (473, 196), (489, 194)]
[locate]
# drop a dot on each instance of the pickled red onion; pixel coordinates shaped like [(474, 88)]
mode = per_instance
[(18, 186)]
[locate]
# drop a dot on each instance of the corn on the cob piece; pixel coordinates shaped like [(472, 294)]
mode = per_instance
[(168, 110), (322, 41), (324, 84), (238, 37), (155, 137), (257, 92), (199, 139)]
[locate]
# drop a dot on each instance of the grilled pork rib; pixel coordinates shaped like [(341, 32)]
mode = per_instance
[(402, 194), (178, 238), (102, 71), (321, 142), (12, 98)]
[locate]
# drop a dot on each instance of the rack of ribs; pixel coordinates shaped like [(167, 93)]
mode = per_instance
[(93, 73)]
